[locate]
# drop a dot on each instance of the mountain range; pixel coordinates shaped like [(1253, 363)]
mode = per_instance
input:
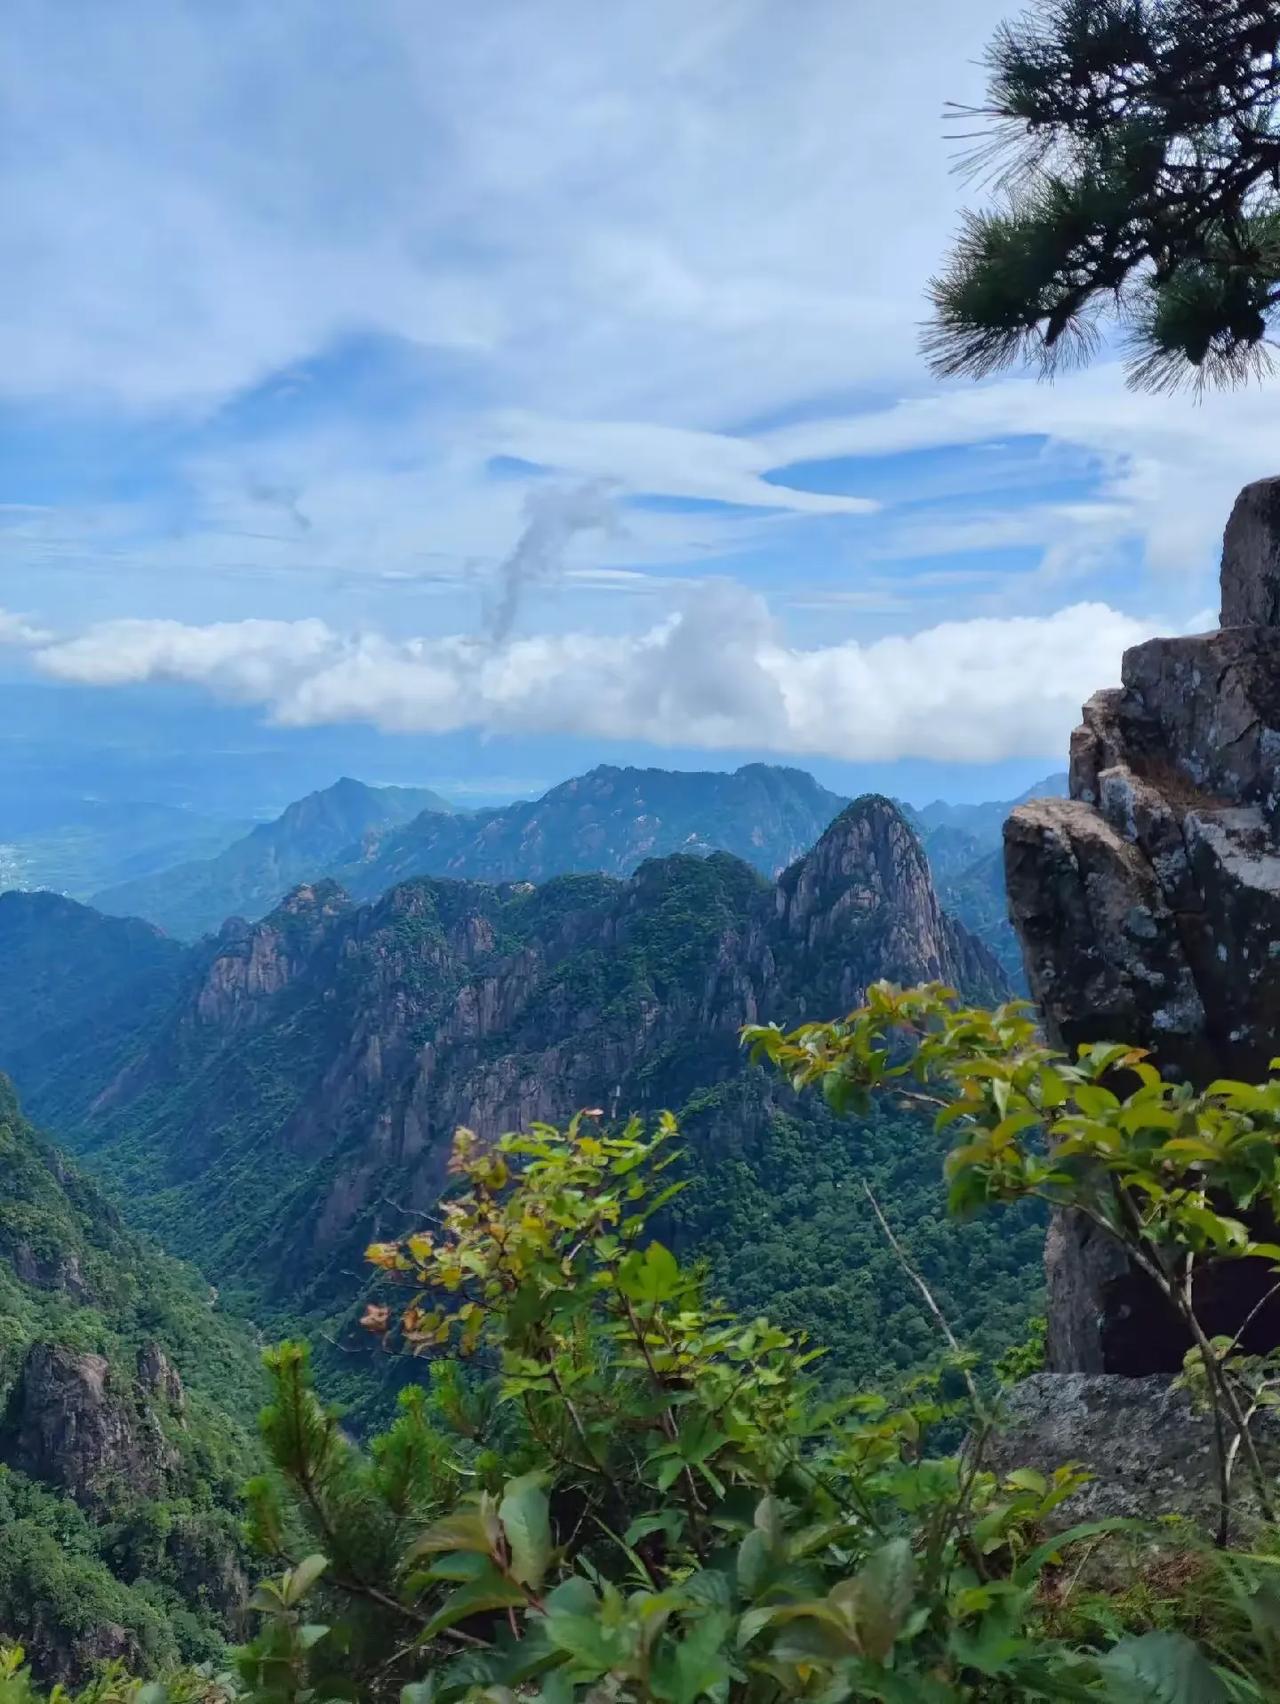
[(252, 874), (269, 1099), (273, 1097), (606, 821), (368, 838)]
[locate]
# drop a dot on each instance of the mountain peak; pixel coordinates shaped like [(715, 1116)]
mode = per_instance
[(252, 875), (865, 893)]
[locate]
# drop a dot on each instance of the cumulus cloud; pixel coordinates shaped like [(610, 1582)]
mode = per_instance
[(718, 674), (253, 661)]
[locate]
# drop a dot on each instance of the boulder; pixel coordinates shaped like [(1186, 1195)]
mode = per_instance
[(1251, 558), (160, 1378)]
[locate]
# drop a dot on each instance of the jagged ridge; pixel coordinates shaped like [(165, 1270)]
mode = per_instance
[(343, 1043)]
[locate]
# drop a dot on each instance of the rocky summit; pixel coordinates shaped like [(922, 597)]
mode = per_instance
[(1148, 903)]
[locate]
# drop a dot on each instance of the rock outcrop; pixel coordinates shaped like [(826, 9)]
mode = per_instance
[(1144, 1444), (80, 1432), (1148, 904)]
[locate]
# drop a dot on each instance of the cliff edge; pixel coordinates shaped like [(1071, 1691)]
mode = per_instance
[(1148, 902)]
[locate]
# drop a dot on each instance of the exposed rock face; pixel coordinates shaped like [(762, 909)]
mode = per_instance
[(76, 1430), (1251, 558), (873, 875), (1142, 1441), (158, 1376), (250, 962), (58, 1270), (57, 1654), (1148, 904)]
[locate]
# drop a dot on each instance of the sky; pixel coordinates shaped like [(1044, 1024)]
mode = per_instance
[(541, 378)]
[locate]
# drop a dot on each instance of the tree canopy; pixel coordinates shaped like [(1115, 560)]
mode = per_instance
[(1133, 158)]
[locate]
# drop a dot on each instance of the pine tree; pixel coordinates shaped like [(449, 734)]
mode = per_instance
[(1134, 157)]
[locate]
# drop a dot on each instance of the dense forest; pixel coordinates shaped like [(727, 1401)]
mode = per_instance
[(129, 1403)]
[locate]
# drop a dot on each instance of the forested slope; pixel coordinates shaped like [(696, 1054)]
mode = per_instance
[(126, 1411)]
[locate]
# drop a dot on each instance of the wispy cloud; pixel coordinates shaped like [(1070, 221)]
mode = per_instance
[(556, 516), (18, 630), (329, 311), (644, 212)]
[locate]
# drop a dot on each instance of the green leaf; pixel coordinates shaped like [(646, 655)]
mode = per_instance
[(1053, 1091), (491, 1590), (1161, 1668), (885, 1587), (1095, 1101), (591, 1644), (459, 1565), (652, 1276), (1031, 1564), (998, 1637), (750, 1623), (710, 1587), (464, 1529), (755, 1564), (1220, 1230), (300, 1580), (668, 1521), (697, 1666), (525, 1517), (574, 1596)]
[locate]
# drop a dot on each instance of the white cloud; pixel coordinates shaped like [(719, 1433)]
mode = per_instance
[(18, 630), (1165, 470), (255, 661), (647, 211), (716, 675), (670, 460), (616, 242)]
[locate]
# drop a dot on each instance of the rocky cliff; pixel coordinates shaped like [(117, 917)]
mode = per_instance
[(1148, 903), (118, 1483)]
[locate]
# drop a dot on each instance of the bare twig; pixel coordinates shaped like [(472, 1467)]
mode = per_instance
[(926, 1292)]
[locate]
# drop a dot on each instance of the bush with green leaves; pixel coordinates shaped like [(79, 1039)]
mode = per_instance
[(612, 1488), (650, 1499), (1176, 1176)]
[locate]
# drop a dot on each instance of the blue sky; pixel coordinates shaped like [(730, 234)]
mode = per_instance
[(544, 374)]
